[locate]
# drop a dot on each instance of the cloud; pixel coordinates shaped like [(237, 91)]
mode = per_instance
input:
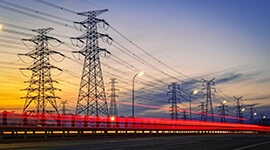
[(263, 109), (229, 77), (264, 80), (264, 97), (237, 77)]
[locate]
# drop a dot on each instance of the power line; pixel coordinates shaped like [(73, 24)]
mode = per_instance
[(134, 44), (230, 98), (152, 77), (64, 19), (142, 60), (131, 53), (55, 6), (34, 16), (137, 46)]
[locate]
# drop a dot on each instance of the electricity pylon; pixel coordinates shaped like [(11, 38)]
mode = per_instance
[(41, 91), (252, 113), (223, 111), (113, 106), (175, 90), (208, 105), (263, 118), (239, 112), (184, 115), (92, 97), (202, 109), (63, 106)]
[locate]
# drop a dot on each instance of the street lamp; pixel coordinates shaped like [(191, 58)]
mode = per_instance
[(193, 92), (138, 74)]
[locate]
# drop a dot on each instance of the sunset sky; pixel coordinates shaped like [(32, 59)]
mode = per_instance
[(226, 39)]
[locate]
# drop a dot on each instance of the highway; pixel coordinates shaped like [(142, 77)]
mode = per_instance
[(189, 142)]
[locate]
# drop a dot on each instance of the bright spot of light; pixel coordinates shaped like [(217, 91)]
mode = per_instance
[(140, 74), (112, 118), (195, 91)]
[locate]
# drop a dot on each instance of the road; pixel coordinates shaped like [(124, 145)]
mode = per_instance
[(190, 142)]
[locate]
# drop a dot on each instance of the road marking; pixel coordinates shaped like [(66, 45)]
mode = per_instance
[(175, 144), (254, 145)]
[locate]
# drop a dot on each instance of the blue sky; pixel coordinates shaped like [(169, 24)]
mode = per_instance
[(225, 39)]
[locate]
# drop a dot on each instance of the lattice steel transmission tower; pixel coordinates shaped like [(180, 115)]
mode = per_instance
[(202, 109), (64, 109), (252, 114), (113, 106), (223, 111), (92, 97), (184, 115), (41, 91), (175, 90), (239, 112), (208, 105)]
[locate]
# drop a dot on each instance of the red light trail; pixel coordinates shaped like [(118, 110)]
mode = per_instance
[(42, 121), (157, 107)]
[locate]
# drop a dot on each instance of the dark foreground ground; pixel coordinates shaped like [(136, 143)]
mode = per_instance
[(191, 142)]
